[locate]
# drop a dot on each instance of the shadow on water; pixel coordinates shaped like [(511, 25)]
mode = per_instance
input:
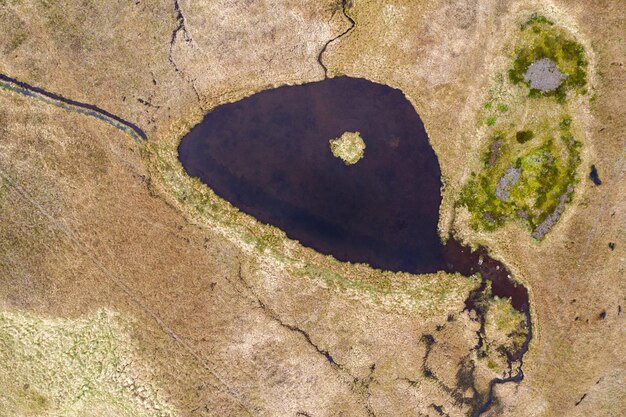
[(269, 155)]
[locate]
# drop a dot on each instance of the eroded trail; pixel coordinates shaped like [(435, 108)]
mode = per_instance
[(11, 84)]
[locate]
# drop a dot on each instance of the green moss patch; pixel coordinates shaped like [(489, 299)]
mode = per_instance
[(540, 39), (536, 18), (524, 136), (505, 328), (531, 157), (544, 173)]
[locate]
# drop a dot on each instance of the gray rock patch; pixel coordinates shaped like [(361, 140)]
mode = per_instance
[(510, 177), (544, 75), (553, 217), (495, 149)]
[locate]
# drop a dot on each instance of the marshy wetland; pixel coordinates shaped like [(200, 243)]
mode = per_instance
[(269, 156)]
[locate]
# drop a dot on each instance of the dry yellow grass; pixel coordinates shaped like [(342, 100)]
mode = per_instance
[(231, 318)]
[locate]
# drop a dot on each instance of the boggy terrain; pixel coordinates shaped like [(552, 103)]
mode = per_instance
[(227, 317)]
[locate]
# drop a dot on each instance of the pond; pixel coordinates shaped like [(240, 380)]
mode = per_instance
[(269, 155)]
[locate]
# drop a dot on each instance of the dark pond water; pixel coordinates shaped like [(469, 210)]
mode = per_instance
[(269, 155)]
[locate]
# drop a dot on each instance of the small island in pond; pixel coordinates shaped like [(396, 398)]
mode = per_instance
[(349, 147)]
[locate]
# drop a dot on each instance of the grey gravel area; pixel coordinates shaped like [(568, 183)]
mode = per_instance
[(510, 177), (553, 217), (544, 75), (495, 149), (487, 215)]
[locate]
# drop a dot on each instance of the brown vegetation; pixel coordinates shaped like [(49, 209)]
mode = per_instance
[(230, 318)]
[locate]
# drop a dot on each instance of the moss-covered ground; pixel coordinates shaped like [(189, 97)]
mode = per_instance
[(532, 137), (349, 147), (541, 38)]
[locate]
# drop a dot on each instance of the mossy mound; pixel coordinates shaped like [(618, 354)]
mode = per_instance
[(540, 39), (505, 332), (349, 147), (547, 169)]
